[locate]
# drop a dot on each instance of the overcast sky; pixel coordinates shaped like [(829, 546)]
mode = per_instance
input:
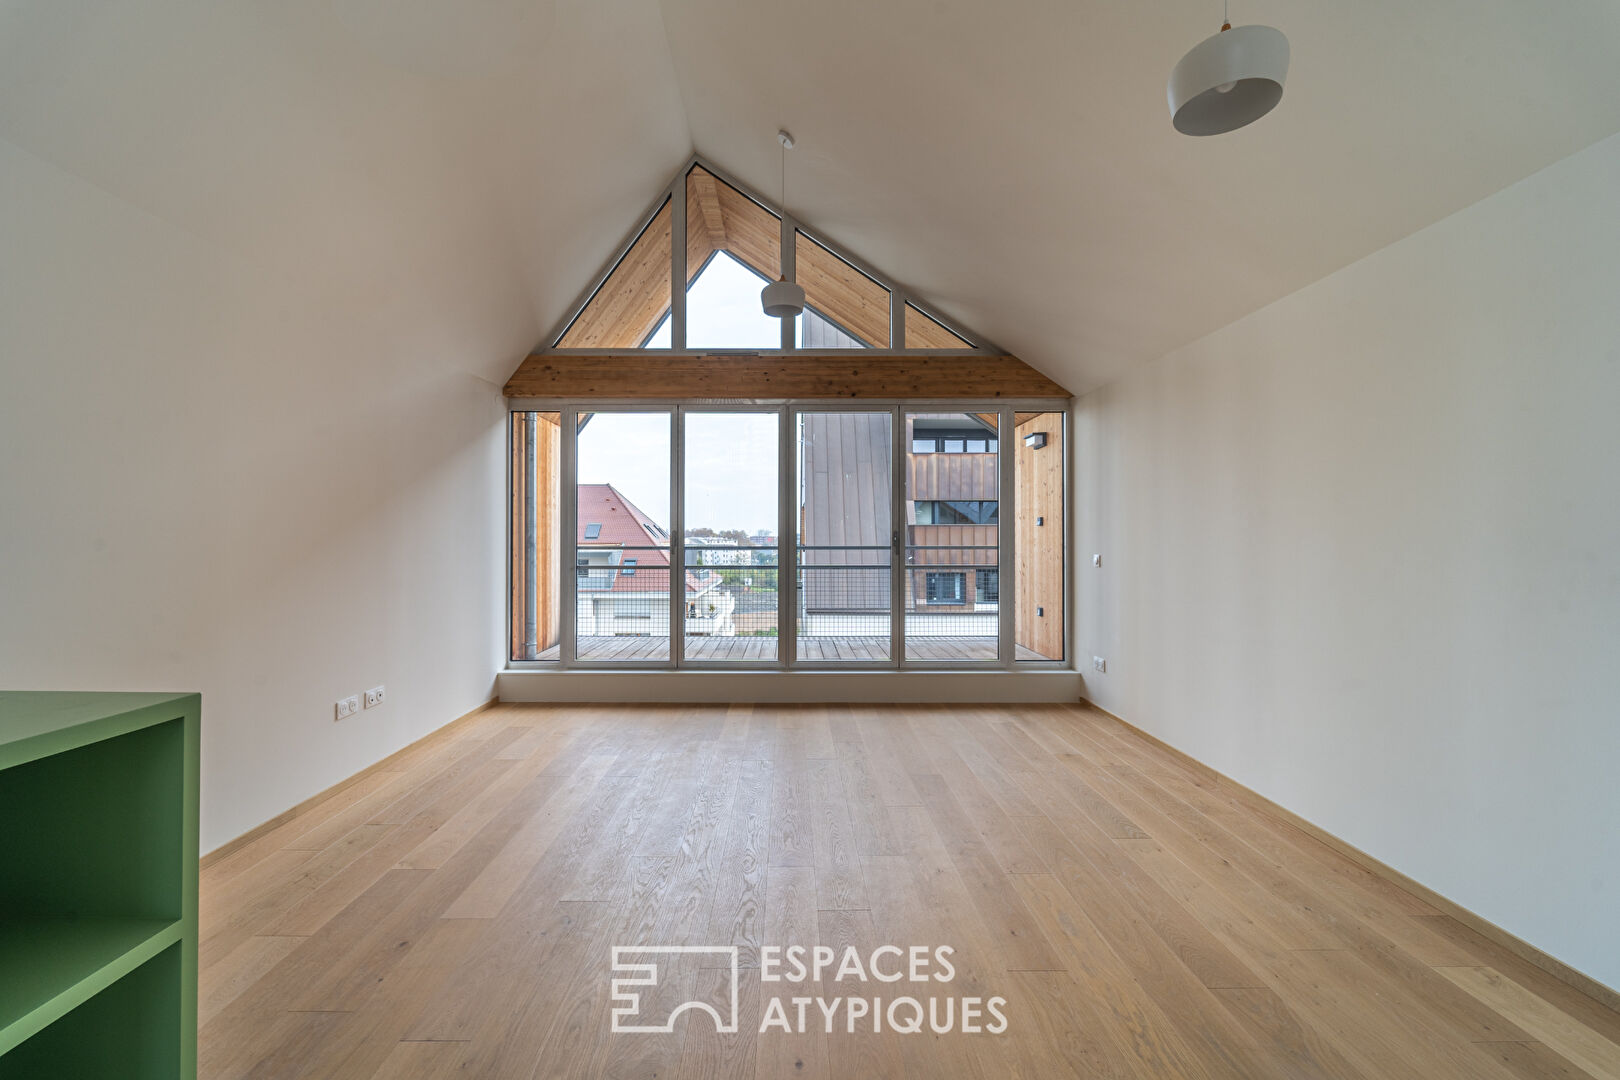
[(730, 458), (730, 466)]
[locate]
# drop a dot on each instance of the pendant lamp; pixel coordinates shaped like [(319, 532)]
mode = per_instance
[(783, 299), (1229, 80)]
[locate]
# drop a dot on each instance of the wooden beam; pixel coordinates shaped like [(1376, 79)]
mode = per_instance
[(851, 374)]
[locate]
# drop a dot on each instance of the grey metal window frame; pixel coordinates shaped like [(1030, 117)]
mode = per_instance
[(787, 538), (675, 192)]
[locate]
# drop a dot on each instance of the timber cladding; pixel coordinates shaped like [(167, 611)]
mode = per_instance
[(803, 376), (1039, 480)]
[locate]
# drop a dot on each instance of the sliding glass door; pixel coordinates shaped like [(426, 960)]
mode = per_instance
[(898, 527), (953, 577), (729, 522), (845, 550), (622, 536)]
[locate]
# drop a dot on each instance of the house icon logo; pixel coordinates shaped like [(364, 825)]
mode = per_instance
[(636, 966)]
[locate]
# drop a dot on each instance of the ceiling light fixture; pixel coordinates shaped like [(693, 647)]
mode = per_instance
[(783, 299), (1229, 80)]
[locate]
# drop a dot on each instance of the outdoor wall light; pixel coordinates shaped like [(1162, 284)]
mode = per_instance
[(1035, 440)]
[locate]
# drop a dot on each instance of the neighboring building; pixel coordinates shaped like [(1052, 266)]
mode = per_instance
[(717, 551), (766, 543), (623, 573), (951, 515)]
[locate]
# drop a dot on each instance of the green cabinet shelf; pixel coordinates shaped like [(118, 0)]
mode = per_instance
[(98, 885)]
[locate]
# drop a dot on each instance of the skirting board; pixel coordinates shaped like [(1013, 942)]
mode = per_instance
[(231, 846), (779, 687), (1484, 927)]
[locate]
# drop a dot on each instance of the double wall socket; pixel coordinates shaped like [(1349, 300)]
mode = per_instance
[(350, 705)]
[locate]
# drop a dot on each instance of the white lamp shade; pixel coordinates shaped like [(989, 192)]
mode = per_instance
[(1229, 80), (782, 299)]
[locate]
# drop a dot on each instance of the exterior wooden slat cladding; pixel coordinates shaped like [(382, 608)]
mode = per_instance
[(1038, 495), (810, 376), (517, 543), (951, 476), (539, 480), (633, 298), (548, 521)]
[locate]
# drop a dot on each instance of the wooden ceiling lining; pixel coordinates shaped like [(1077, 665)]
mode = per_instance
[(640, 375), (841, 292), (721, 218), (705, 230), (923, 332), (634, 297)]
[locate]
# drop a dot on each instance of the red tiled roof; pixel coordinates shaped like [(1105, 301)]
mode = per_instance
[(624, 525)]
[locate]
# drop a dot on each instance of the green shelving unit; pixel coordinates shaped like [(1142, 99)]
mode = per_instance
[(98, 885)]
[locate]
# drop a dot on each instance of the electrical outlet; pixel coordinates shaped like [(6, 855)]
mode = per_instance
[(1099, 663), (374, 697), (348, 706)]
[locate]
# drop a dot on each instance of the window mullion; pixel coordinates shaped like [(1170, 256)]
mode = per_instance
[(787, 539), (1006, 538), (677, 536), (897, 551), (569, 558), (677, 263)]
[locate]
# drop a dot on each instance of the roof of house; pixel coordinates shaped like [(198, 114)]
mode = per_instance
[(624, 525)]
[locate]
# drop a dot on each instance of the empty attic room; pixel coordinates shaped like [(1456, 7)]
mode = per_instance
[(657, 540)]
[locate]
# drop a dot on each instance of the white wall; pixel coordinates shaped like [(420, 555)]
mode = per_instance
[(262, 272), (215, 479), (1362, 553)]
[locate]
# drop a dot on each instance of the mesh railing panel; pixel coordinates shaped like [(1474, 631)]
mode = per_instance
[(952, 602), (844, 608)]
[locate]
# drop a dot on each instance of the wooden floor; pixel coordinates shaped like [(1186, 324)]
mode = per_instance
[(844, 647), (452, 913)]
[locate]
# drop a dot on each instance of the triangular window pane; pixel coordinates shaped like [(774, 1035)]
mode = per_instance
[(923, 332), (852, 302), (723, 309), (816, 331), (624, 311), (733, 248)]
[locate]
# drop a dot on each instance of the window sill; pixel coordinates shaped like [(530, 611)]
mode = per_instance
[(1040, 682)]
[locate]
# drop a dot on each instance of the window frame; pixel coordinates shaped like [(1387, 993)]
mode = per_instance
[(900, 299), (958, 596), (787, 533)]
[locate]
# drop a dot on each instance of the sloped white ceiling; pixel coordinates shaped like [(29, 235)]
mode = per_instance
[(482, 156), (1015, 162), (1012, 163)]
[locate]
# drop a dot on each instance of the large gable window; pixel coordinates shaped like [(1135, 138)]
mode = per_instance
[(842, 489), (732, 247)]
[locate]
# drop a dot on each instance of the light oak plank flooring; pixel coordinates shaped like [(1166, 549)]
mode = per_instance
[(453, 914)]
